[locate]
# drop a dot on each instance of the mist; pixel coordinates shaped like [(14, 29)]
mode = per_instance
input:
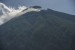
[(8, 12), (66, 6)]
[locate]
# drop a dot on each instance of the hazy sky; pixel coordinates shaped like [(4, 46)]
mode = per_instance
[(66, 6)]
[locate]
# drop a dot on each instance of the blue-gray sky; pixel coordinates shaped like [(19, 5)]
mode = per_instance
[(66, 6)]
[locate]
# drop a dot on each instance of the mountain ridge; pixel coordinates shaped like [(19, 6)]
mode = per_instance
[(38, 31)]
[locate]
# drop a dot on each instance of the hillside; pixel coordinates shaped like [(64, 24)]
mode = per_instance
[(44, 30)]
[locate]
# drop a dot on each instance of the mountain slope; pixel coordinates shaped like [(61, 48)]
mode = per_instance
[(38, 31), (62, 15)]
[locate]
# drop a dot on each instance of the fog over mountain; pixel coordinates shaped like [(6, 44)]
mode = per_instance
[(34, 28), (9, 13), (66, 6), (42, 30)]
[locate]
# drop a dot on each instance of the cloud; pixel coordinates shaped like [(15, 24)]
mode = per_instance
[(9, 12)]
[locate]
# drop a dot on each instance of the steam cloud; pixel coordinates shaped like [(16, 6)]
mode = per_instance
[(8, 13)]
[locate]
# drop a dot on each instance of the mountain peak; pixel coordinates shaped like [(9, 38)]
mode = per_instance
[(9, 13)]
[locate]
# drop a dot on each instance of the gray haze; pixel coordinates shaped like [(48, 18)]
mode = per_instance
[(66, 6)]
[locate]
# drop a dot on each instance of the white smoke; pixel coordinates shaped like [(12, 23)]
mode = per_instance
[(8, 13)]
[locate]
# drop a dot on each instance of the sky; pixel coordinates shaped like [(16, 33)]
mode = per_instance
[(66, 6)]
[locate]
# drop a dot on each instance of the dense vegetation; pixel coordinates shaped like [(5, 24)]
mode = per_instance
[(44, 30)]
